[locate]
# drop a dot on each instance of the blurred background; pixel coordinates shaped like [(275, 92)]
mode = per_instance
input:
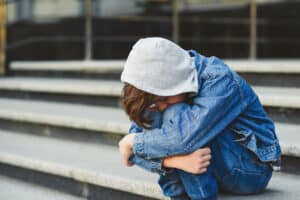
[(60, 66), (106, 29)]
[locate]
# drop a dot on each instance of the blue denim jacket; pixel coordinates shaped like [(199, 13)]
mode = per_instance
[(152, 165), (224, 101)]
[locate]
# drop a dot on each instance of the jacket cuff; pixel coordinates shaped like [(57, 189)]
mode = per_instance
[(138, 145), (157, 166), (154, 165)]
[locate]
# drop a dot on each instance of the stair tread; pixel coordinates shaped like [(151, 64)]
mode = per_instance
[(288, 97), (100, 66), (101, 118), (77, 160), (62, 85), (17, 189), (270, 96), (65, 114), (79, 66)]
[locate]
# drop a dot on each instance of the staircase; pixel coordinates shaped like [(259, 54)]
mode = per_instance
[(60, 123)]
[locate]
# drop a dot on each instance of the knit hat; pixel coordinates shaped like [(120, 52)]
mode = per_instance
[(160, 67)]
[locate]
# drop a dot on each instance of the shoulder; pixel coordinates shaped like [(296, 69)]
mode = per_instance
[(215, 68), (217, 77)]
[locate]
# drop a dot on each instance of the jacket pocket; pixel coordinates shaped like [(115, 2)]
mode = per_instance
[(247, 139)]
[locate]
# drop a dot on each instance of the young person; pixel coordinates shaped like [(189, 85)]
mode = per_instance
[(180, 102)]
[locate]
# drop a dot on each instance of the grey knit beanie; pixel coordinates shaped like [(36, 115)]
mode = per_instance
[(160, 67)]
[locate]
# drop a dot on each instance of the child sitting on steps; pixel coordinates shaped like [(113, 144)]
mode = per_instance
[(181, 102)]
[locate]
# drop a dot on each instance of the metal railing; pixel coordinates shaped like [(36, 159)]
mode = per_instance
[(2, 36), (253, 31)]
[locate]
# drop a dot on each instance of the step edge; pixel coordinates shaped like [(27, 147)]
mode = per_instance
[(257, 66), (111, 127), (100, 179)]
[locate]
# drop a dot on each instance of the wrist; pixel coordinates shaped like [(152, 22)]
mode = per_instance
[(171, 162)]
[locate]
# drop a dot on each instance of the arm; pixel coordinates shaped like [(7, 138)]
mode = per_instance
[(152, 165), (218, 104), (195, 162)]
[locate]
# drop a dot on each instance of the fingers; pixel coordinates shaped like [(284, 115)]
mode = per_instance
[(199, 171), (205, 151), (205, 158), (202, 170), (205, 164), (127, 163), (125, 154), (203, 155)]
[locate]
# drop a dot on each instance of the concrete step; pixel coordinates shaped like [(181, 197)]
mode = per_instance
[(102, 66), (83, 91), (16, 189), (279, 96), (77, 161), (282, 104), (60, 85), (111, 120), (101, 120), (283, 66), (11, 86), (275, 72), (105, 69), (94, 164)]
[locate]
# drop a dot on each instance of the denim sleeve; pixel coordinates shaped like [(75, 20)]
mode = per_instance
[(152, 165), (218, 103)]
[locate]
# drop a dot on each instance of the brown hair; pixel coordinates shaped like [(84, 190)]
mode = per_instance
[(135, 102)]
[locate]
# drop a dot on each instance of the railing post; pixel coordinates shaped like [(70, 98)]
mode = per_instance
[(88, 30), (2, 36), (175, 21), (253, 30)]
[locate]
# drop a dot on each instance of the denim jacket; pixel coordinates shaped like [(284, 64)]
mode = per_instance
[(152, 165), (224, 101)]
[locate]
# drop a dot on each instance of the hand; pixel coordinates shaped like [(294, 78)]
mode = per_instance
[(125, 148), (195, 163)]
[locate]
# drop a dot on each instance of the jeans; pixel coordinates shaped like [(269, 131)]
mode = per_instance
[(233, 169)]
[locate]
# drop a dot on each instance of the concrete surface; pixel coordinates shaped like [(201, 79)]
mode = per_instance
[(279, 97), (101, 165), (60, 85), (99, 66), (289, 138), (13, 189), (96, 164), (82, 66), (269, 96), (97, 118), (112, 120)]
